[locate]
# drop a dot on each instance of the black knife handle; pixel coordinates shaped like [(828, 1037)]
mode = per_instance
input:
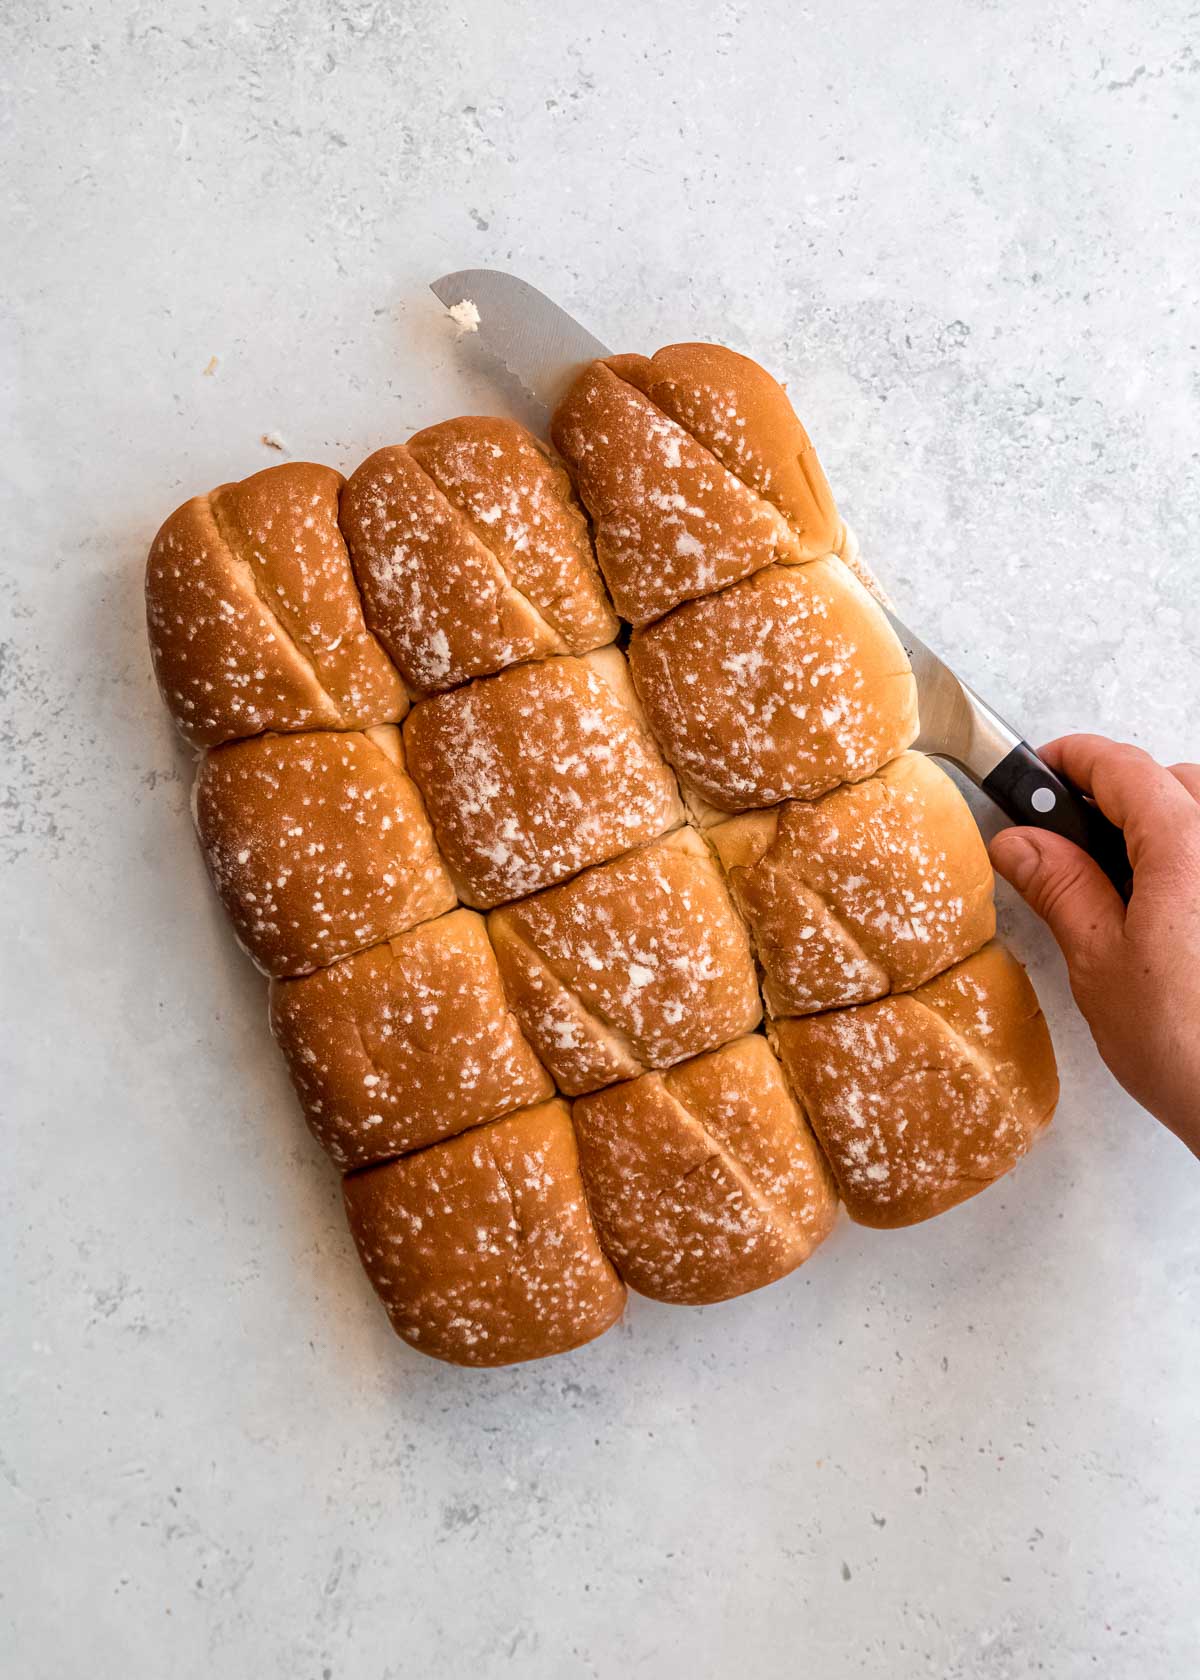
[(1027, 790)]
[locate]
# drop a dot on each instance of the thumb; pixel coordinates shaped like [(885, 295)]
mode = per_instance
[(1063, 885)]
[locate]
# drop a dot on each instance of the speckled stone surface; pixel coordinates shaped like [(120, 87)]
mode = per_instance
[(967, 235)]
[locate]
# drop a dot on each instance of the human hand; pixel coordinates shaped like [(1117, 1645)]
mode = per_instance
[(1134, 969)]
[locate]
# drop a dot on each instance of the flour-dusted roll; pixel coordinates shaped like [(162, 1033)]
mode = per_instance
[(632, 965), (533, 774), (780, 687), (317, 844), (482, 1248), (521, 502), (873, 888), (472, 553), (704, 1181), (922, 1100), (670, 521), (696, 472), (736, 409), (405, 1043), (255, 622)]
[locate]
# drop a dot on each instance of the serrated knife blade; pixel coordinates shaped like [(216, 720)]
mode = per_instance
[(539, 343)]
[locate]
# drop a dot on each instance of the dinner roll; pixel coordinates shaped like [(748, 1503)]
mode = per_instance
[(472, 553), (532, 775), (632, 965), (705, 1181), (780, 687), (317, 844), (873, 888), (520, 501), (254, 618), (405, 1043), (482, 1248), (923, 1099), (735, 409), (670, 521)]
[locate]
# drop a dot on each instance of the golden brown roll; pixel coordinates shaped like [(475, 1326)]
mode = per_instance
[(632, 965), (532, 775), (924, 1099), (745, 418), (696, 472), (406, 1043), (254, 618), (521, 502), (482, 1248), (317, 844), (670, 521), (472, 553), (780, 687), (705, 1181), (874, 888)]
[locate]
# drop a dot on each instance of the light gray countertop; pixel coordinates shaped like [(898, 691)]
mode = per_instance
[(967, 236)]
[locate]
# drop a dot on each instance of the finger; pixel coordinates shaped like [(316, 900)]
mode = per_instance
[(1065, 887), (1132, 789), (1188, 776)]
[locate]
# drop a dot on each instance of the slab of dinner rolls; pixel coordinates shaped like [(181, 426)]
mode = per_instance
[(632, 965), (923, 1099), (412, 698), (254, 618), (472, 553), (482, 1248), (317, 845), (780, 687), (705, 1181), (531, 775), (405, 1043), (873, 888)]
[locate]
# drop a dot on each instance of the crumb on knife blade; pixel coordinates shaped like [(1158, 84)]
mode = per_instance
[(465, 315)]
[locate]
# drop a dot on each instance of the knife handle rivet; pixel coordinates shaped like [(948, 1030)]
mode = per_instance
[(1043, 799)]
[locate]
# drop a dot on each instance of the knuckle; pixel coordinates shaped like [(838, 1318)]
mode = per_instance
[(1089, 956), (1176, 873), (1135, 757)]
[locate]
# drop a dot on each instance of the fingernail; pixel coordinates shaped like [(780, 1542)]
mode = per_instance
[(1016, 858)]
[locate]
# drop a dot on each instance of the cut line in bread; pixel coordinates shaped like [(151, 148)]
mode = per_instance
[(745, 419), (670, 522), (705, 1181), (923, 1098), (471, 554), (874, 887), (631, 965), (254, 617)]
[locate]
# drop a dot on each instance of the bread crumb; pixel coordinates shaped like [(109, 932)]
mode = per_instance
[(465, 316), (272, 440)]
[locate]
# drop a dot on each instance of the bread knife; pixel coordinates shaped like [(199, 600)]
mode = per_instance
[(543, 348)]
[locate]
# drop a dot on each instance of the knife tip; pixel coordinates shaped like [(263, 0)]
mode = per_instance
[(449, 289)]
